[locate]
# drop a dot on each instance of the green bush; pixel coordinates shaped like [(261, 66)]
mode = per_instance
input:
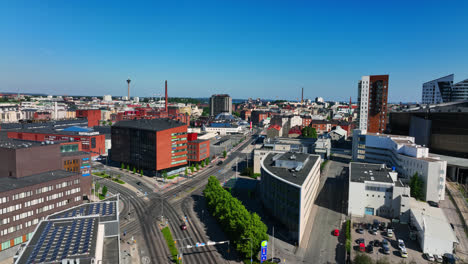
[(238, 223), (348, 235), (172, 176), (362, 259), (170, 243)]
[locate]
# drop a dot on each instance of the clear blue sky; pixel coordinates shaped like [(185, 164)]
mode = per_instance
[(267, 49)]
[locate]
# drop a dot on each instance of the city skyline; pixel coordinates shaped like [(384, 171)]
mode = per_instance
[(245, 50)]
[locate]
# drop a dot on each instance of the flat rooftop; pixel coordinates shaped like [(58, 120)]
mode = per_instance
[(72, 234), (361, 172), (74, 153), (18, 144), (296, 177), (455, 161), (158, 124), (8, 183)]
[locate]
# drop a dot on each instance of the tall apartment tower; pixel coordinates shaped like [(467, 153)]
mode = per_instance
[(438, 91), (372, 103), (220, 103)]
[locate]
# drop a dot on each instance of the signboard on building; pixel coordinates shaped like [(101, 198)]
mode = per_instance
[(263, 253)]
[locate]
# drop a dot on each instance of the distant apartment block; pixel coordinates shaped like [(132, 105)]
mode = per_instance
[(288, 188), (372, 103), (258, 116), (37, 179), (153, 145), (220, 103), (93, 116), (408, 159)]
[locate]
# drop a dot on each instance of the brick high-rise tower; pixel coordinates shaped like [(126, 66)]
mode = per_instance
[(372, 103)]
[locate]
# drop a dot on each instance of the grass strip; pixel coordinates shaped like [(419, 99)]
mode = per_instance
[(170, 243)]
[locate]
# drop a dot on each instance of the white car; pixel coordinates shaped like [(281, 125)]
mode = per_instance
[(389, 232), (401, 245), (438, 258), (404, 253), (429, 257)]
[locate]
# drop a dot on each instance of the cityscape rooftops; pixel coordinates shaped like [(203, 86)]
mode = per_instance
[(17, 143), (361, 172), (88, 232), (291, 167), (150, 124), (8, 184)]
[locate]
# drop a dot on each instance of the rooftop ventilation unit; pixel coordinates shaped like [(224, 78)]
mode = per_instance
[(293, 157)]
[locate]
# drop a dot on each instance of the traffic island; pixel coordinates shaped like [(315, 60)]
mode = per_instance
[(170, 243)]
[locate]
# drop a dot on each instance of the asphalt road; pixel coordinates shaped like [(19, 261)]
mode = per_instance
[(323, 247), (139, 218)]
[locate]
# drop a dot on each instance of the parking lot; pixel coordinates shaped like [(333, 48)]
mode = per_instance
[(401, 231)]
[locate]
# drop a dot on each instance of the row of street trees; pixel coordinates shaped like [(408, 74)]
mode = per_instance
[(245, 230), (309, 132)]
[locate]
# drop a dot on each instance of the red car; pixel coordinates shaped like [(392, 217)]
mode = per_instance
[(183, 227), (336, 232)]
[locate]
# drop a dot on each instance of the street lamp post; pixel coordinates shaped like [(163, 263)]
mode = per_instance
[(250, 239)]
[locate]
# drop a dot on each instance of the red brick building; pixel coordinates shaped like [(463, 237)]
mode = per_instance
[(258, 116), (245, 114), (155, 145), (41, 115), (372, 102), (93, 116), (306, 120), (198, 149), (33, 185), (91, 142)]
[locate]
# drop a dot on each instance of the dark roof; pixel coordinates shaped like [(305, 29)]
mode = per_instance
[(296, 177), (159, 124), (198, 141), (54, 132), (105, 209), (74, 153), (361, 172), (8, 184), (17, 143)]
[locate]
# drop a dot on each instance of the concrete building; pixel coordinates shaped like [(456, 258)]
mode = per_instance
[(288, 188), (220, 103), (338, 134), (375, 190), (224, 128), (408, 159), (437, 91), (107, 98), (434, 234), (87, 234), (150, 144), (372, 103), (34, 184), (258, 116)]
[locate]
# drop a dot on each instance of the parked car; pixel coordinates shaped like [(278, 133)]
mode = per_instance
[(449, 258), (370, 248), (371, 243), (376, 222), (373, 231), (382, 226), (404, 253), (429, 257), (336, 232), (138, 183), (360, 231), (385, 243), (359, 240), (362, 247), (401, 245), (275, 260), (386, 249), (377, 243), (183, 227), (433, 204), (438, 258), (390, 232)]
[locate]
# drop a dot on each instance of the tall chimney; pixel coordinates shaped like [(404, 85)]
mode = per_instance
[(128, 82), (166, 96)]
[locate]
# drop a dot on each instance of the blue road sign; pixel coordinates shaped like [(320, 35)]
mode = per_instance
[(263, 254)]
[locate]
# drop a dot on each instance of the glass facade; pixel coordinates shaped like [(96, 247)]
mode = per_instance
[(69, 148)]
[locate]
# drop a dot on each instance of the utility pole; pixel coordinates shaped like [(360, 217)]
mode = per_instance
[(273, 242), (162, 209), (236, 168)]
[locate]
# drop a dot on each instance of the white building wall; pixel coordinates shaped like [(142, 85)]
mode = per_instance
[(308, 196), (356, 196), (364, 103)]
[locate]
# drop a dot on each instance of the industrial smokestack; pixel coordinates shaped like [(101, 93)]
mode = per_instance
[(166, 96), (128, 82)]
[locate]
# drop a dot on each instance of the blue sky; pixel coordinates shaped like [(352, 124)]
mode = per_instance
[(267, 49)]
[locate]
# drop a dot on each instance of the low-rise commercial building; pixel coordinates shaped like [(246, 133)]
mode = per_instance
[(197, 149), (93, 116), (408, 159), (434, 234), (375, 190), (288, 187), (87, 233), (154, 145)]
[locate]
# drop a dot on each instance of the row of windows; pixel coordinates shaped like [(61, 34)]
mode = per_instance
[(177, 162), (69, 162), (11, 229), (178, 150), (11, 208), (179, 134), (179, 156), (23, 215), (179, 139), (174, 145), (22, 195)]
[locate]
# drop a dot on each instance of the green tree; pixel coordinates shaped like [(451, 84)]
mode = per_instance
[(134, 170), (122, 166), (206, 111), (208, 161), (104, 190), (417, 184), (197, 166), (141, 173), (309, 132), (362, 259), (236, 114), (96, 188), (186, 171), (128, 167), (110, 123), (164, 175), (224, 154)]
